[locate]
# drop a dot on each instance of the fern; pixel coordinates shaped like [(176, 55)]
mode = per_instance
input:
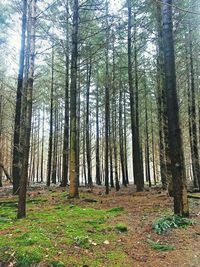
[(162, 225)]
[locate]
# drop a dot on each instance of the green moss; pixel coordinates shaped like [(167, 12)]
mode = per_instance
[(57, 263), (121, 227), (117, 209), (51, 229)]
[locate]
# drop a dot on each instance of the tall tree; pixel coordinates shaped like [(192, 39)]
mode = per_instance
[(49, 162), (107, 114), (73, 189), (192, 115), (26, 123), (65, 160), (137, 170), (175, 136), (16, 157)]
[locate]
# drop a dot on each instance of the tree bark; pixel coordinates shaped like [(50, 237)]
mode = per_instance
[(49, 161), (73, 189), (175, 136), (138, 177), (26, 126), (16, 157)]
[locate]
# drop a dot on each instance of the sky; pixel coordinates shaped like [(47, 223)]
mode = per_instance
[(14, 36)]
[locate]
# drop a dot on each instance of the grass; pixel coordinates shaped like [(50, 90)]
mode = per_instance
[(50, 229), (159, 246)]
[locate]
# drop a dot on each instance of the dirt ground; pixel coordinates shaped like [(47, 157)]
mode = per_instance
[(141, 211)]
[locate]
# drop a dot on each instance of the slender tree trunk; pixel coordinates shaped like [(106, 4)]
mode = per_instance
[(98, 175), (121, 143), (49, 161), (195, 151), (88, 148), (78, 124), (153, 147), (106, 159), (73, 189), (65, 164), (55, 146), (162, 118), (26, 126), (148, 175), (42, 149), (125, 142), (115, 146), (16, 157), (137, 170), (38, 147), (175, 136)]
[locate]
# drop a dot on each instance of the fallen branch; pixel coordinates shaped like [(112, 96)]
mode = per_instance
[(194, 196)]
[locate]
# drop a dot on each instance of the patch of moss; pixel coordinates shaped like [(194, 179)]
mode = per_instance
[(121, 227), (48, 229), (57, 263), (117, 209)]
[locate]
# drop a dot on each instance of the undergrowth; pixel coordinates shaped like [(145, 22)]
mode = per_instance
[(159, 246), (167, 222)]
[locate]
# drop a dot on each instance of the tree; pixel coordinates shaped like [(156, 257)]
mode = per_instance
[(175, 137), (73, 189), (137, 170), (27, 116), (16, 157)]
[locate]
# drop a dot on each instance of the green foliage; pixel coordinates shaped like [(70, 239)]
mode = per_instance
[(97, 222), (121, 227), (57, 263), (82, 241), (28, 256), (162, 225), (158, 246), (117, 209)]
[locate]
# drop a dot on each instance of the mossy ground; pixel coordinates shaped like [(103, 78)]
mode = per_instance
[(112, 231), (58, 232)]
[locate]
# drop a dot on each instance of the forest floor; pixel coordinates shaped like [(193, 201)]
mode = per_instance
[(95, 230)]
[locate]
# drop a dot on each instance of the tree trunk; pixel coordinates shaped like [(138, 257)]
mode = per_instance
[(88, 148), (121, 143), (73, 189), (195, 151), (65, 164), (137, 170), (175, 136), (16, 157), (49, 161), (107, 113), (98, 175), (42, 149), (26, 124)]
